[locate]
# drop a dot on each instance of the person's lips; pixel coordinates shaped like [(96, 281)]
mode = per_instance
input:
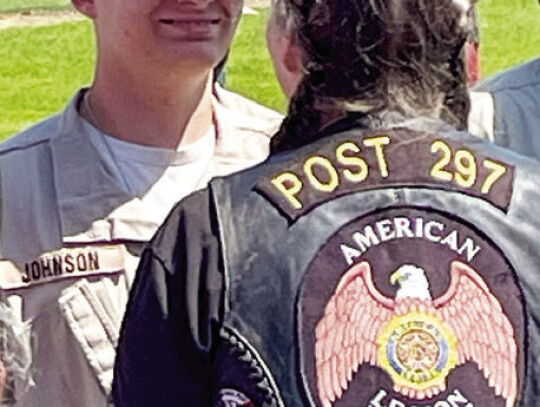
[(191, 22)]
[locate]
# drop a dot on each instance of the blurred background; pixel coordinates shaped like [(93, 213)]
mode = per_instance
[(47, 53)]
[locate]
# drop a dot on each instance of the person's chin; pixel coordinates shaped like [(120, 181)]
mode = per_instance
[(197, 57)]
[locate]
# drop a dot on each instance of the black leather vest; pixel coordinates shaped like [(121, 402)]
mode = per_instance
[(392, 268)]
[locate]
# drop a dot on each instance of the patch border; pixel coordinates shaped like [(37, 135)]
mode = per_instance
[(523, 351)]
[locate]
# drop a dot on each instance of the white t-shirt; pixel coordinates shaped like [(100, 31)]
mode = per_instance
[(161, 176)]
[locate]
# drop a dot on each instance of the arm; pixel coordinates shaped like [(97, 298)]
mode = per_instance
[(164, 353)]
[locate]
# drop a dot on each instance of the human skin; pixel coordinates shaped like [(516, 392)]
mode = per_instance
[(154, 66), (286, 55)]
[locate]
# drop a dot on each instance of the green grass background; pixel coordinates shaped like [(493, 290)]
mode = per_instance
[(41, 67), (11, 5)]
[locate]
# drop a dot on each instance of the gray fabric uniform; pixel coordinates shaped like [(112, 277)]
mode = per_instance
[(70, 239), (506, 109)]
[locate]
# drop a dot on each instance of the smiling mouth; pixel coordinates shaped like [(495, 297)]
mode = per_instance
[(195, 23)]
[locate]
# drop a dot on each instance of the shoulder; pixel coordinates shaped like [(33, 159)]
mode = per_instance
[(189, 225), (246, 115), (28, 193), (245, 129), (26, 159), (29, 139), (42, 132), (516, 85), (503, 108), (522, 76)]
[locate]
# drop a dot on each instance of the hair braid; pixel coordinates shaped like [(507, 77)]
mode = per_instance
[(377, 57)]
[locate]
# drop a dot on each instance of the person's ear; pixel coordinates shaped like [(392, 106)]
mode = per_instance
[(86, 7), (292, 63), (472, 61), (286, 56), (292, 58)]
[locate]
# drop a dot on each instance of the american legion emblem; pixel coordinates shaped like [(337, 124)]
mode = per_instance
[(405, 306), (424, 312)]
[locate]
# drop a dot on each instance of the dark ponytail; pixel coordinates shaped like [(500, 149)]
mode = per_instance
[(376, 57)]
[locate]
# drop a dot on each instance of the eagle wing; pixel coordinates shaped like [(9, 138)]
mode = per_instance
[(483, 331), (346, 336)]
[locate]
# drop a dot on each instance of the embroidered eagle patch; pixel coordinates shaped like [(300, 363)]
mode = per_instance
[(410, 307), (417, 340)]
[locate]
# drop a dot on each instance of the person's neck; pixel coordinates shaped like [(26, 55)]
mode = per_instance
[(154, 111)]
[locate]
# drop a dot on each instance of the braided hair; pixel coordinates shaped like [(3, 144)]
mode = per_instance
[(374, 57)]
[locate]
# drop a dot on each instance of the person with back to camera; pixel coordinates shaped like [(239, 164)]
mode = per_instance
[(83, 191), (380, 257)]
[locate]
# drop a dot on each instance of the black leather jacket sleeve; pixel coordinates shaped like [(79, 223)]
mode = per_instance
[(164, 353)]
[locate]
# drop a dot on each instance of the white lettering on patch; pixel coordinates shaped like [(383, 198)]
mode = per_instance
[(454, 399), (404, 228)]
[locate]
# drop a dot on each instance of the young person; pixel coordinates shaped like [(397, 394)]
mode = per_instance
[(84, 190)]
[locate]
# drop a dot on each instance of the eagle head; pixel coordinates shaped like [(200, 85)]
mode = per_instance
[(412, 282)]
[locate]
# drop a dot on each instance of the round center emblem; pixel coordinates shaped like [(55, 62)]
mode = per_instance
[(418, 350)]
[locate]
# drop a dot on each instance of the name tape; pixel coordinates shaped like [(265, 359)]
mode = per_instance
[(61, 264)]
